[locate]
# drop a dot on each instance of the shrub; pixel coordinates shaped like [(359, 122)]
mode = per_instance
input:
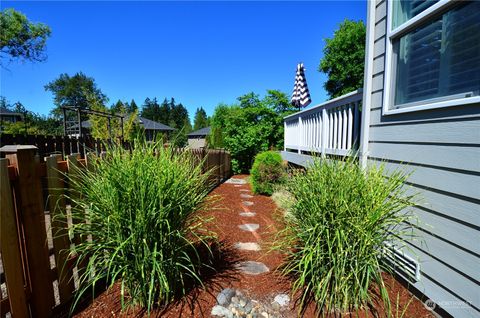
[(336, 230), (140, 207), (266, 172)]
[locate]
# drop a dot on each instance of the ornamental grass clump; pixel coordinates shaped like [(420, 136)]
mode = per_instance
[(143, 232), (336, 229), (267, 172)]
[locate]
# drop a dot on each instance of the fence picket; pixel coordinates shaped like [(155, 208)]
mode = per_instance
[(31, 211), (10, 247), (74, 171), (61, 242)]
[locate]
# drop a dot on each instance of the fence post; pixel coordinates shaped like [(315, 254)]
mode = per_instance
[(61, 241), (31, 211), (10, 248)]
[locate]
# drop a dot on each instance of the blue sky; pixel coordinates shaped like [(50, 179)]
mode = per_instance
[(200, 53)]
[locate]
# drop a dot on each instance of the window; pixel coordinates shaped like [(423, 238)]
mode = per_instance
[(404, 10), (434, 58)]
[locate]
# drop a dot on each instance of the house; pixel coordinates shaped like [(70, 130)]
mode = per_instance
[(151, 128), (7, 115), (419, 110), (198, 138)]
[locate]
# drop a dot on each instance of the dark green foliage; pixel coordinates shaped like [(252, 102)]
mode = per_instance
[(140, 207), (172, 114), (336, 229), (344, 58), (200, 120), (32, 124), (267, 172), (74, 91), (132, 107), (21, 38), (252, 126)]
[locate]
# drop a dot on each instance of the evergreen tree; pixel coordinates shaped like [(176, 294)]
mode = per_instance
[(132, 107), (201, 120), (118, 108), (151, 109), (178, 115), (164, 112)]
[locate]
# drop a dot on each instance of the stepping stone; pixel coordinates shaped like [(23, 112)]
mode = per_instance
[(247, 214), (244, 190), (224, 297), (282, 300), (249, 227), (252, 268), (236, 181), (246, 196), (247, 203), (220, 311), (249, 246)]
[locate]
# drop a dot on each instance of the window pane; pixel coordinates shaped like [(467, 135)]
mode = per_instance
[(441, 58), (404, 10)]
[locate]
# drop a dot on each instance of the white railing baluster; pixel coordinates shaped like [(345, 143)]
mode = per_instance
[(330, 128), (350, 126), (344, 127), (340, 128), (356, 125), (335, 129)]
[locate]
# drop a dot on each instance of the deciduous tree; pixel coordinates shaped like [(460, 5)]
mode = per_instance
[(73, 91), (344, 58), (20, 38)]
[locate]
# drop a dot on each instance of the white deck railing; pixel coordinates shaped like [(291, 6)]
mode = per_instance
[(331, 128)]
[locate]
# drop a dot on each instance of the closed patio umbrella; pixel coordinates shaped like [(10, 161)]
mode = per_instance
[(300, 95)]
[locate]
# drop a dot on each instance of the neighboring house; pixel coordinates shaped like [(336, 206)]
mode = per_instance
[(7, 115), (151, 128), (198, 139), (420, 112)]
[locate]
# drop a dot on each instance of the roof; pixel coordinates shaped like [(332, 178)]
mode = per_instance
[(5, 111), (201, 132), (146, 123), (153, 125)]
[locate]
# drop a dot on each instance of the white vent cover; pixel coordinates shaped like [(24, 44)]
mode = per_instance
[(401, 262)]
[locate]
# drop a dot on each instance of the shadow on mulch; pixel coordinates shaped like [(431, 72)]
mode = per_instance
[(219, 267), (222, 268)]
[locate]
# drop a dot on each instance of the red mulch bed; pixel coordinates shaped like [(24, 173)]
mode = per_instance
[(264, 287)]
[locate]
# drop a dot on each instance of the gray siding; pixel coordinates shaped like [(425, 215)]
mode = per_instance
[(442, 150)]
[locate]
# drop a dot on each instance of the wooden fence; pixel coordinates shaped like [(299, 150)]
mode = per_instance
[(31, 284), (49, 145)]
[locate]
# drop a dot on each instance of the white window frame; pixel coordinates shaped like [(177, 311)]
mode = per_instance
[(391, 35)]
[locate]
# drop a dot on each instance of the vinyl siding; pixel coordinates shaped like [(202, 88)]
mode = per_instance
[(441, 148)]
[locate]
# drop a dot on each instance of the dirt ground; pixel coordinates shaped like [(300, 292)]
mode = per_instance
[(263, 287)]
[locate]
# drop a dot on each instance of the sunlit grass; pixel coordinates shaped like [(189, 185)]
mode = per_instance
[(336, 228), (140, 206)]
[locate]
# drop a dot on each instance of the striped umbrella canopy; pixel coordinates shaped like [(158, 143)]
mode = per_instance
[(300, 95)]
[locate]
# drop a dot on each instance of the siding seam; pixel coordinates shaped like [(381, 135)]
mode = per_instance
[(449, 291), (443, 192), (426, 121), (409, 163), (425, 143), (473, 280)]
